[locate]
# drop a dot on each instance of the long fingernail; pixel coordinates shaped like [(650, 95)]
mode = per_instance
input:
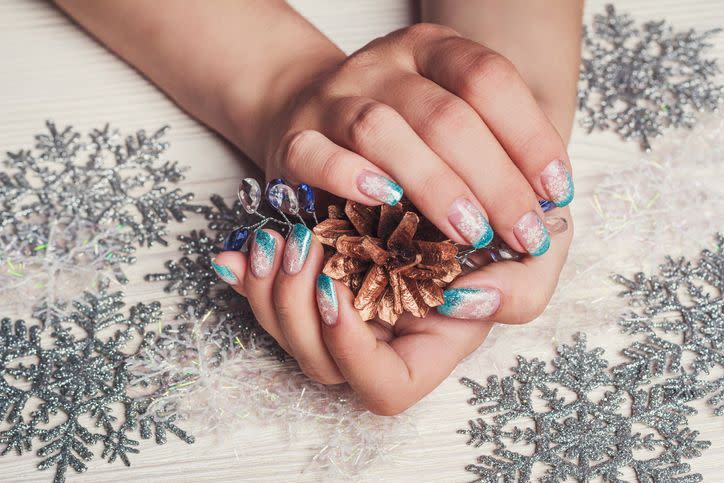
[(300, 238), (469, 221), (558, 183), (378, 187), (470, 303), (532, 234), (327, 299), (224, 273), (235, 240), (262, 253)]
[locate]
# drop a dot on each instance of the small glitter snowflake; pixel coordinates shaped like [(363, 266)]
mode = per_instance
[(640, 80)]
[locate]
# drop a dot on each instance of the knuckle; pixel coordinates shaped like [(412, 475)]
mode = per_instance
[(295, 151), (384, 406), (431, 183), (531, 308), (369, 123), (321, 376), (428, 30), (446, 114), (489, 72)]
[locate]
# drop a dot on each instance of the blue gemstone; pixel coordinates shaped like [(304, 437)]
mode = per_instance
[(235, 241), (546, 205), (305, 193), (271, 183)]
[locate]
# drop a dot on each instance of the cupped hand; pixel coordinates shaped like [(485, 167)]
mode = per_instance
[(441, 117), (390, 367), (452, 124)]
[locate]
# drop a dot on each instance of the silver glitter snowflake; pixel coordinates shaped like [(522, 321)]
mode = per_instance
[(639, 80), (101, 192), (590, 421), (58, 384)]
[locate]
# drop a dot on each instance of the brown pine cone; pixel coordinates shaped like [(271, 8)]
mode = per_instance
[(391, 258)]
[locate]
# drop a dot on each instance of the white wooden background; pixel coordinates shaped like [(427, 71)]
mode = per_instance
[(49, 68)]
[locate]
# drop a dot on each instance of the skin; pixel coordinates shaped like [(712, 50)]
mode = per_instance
[(478, 111)]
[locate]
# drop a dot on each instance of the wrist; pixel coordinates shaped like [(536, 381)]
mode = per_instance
[(254, 113)]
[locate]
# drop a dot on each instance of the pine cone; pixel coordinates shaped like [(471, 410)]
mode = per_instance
[(391, 258)]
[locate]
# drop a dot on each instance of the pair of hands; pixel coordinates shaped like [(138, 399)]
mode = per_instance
[(454, 125)]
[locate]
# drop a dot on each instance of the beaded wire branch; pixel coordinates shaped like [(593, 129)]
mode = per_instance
[(638, 80)]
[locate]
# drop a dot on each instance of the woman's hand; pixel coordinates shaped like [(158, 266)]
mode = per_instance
[(443, 118)]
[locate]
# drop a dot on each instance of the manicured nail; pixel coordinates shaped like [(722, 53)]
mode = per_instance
[(224, 273), (235, 240), (532, 234), (470, 303), (378, 187), (558, 182), (297, 248), (469, 221), (262, 253), (327, 299)]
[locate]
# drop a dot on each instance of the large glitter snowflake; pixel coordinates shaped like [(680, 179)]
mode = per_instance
[(58, 384), (76, 206), (640, 80), (582, 419)]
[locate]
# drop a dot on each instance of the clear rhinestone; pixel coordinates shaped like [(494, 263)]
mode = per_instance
[(249, 194), (283, 198)]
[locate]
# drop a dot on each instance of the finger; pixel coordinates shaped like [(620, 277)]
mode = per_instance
[(389, 378), (309, 157), (476, 156), (231, 267), (296, 306), (490, 83), (509, 292), (264, 263), (381, 135)]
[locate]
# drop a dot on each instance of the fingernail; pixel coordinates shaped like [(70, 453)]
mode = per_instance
[(378, 187), (470, 303), (469, 221), (532, 234), (297, 248), (558, 183), (262, 253), (327, 299), (224, 273), (235, 240)]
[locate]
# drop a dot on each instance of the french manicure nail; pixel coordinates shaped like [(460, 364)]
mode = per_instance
[(297, 248), (262, 253), (327, 299), (469, 221), (378, 187), (470, 303), (558, 183), (224, 273), (532, 234)]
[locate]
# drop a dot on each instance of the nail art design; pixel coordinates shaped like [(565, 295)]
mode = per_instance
[(470, 303), (327, 299), (224, 272), (297, 248), (378, 187), (558, 182), (262, 253), (469, 221), (532, 234)]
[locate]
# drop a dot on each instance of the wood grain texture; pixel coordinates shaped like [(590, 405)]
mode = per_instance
[(51, 69)]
